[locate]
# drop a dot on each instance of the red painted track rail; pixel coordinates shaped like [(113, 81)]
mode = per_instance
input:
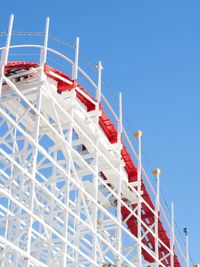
[(111, 133)]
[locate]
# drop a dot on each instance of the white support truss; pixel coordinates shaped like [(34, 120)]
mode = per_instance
[(56, 207)]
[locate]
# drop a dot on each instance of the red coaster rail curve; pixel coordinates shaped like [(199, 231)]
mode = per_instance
[(111, 133)]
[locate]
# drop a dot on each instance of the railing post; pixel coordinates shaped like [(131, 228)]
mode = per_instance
[(172, 236), (98, 91), (119, 191), (75, 65), (5, 52), (96, 177), (43, 54), (185, 230), (157, 172), (138, 135), (120, 119)]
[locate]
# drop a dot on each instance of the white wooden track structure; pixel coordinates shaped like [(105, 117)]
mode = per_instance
[(66, 195)]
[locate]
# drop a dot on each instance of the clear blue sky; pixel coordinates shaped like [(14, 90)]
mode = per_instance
[(151, 52)]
